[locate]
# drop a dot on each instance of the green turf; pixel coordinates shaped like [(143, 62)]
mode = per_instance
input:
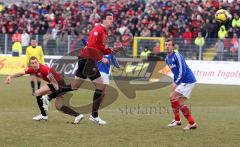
[(215, 107)]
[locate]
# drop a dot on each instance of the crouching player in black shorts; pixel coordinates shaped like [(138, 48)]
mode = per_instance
[(54, 80)]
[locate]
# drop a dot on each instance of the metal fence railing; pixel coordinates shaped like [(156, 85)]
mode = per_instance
[(227, 49)]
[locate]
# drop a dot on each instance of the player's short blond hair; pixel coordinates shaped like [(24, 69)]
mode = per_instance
[(32, 58)]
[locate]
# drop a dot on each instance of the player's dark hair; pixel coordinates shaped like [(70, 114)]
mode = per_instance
[(169, 40), (105, 15)]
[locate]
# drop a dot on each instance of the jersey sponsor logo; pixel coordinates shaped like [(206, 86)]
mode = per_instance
[(95, 33), (172, 66)]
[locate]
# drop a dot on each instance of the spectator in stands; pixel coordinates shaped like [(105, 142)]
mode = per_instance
[(236, 21), (46, 38), (155, 32), (211, 27), (16, 49), (187, 36), (156, 48), (227, 46), (184, 13), (235, 46), (230, 33), (2, 8), (94, 17), (16, 37), (143, 17), (4, 30), (54, 32), (133, 30), (220, 48), (144, 54), (199, 42), (25, 39), (16, 46), (145, 32), (222, 33)]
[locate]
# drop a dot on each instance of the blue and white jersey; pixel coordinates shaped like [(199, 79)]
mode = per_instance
[(106, 68), (181, 72)]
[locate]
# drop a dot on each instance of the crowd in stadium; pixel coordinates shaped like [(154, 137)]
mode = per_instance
[(152, 18)]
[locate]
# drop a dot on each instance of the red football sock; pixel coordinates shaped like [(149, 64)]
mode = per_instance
[(186, 112), (175, 107)]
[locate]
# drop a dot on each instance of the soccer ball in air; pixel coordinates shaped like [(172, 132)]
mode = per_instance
[(222, 16)]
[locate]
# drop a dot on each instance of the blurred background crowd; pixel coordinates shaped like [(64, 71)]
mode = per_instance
[(185, 20)]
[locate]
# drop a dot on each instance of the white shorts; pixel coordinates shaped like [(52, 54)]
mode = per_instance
[(185, 89), (105, 78)]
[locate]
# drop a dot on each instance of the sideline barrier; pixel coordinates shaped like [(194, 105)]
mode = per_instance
[(206, 72), (213, 72), (216, 72), (9, 65)]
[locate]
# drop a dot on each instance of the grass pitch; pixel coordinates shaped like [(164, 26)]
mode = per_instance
[(131, 122)]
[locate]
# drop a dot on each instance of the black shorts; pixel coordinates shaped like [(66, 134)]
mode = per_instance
[(87, 68), (60, 84)]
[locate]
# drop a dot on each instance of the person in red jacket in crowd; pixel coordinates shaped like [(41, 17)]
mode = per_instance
[(187, 36)]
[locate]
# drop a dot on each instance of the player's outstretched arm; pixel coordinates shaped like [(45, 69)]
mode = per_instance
[(10, 77)]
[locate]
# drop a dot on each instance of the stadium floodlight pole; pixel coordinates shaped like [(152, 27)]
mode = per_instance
[(68, 44), (6, 44)]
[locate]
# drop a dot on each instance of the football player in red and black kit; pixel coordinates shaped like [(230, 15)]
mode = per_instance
[(54, 80), (87, 68)]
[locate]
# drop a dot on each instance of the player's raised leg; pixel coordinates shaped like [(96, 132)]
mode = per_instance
[(75, 84), (67, 110)]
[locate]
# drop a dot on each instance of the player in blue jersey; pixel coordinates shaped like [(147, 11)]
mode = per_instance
[(183, 83), (105, 69)]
